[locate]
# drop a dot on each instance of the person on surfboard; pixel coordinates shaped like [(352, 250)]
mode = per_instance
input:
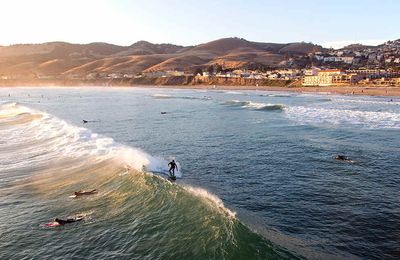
[(80, 193), (172, 168)]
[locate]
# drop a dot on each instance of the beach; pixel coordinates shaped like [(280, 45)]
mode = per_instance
[(365, 90), (342, 90)]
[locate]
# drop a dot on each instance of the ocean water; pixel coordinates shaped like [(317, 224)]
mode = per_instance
[(257, 176)]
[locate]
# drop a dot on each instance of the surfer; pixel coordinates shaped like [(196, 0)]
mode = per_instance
[(341, 157), (80, 193), (84, 121), (172, 168), (68, 220)]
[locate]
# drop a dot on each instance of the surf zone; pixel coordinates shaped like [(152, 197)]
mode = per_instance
[(124, 195)]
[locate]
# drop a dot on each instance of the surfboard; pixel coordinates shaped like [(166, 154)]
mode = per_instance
[(52, 224), (172, 178), (93, 192)]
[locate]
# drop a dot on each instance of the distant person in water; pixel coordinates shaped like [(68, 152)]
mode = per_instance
[(341, 157), (172, 166), (68, 220), (80, 193)]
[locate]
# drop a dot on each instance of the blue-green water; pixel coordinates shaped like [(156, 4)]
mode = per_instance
[(257, 179)]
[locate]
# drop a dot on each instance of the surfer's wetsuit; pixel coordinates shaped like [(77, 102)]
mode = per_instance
[(341, 158), (67, 221), (172, 168)]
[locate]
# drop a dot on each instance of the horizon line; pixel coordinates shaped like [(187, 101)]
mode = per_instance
[(327, 45)]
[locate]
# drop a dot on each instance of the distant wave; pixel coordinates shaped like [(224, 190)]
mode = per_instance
[(277, 95), (335, 116), (388, 101), (235, 92), (161, 96), (165, 96), (254, 105)]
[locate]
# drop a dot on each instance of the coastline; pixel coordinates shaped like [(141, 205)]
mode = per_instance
[(365, 90), (342, 90)]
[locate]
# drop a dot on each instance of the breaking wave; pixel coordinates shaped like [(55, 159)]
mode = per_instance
[(254, 105), (138, 212), (335, 116), (165, 96)]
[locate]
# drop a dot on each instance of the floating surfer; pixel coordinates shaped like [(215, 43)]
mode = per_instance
[(81, 193), (61, 222), (341, 157), (172, 168)]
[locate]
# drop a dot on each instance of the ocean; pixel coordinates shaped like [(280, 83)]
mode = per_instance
[(257, 174)]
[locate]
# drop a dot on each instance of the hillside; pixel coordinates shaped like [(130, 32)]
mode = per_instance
[(60, 59)]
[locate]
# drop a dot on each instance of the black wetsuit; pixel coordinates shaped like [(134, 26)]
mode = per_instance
[(172, 168), (67, 221)]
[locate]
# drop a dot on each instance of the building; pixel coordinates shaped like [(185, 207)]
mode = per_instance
[(346, 79), (311, 72), (154, 74), (330, 77), (348, 60), (175, 73)]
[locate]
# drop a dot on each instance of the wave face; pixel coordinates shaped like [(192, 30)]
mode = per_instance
[(254, 105), (136, 214)]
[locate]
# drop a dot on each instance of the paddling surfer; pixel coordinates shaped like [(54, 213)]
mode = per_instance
[(68, 220)]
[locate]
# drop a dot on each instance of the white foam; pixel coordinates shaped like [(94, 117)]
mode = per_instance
[(161, 96), (235, 93), (254, 105), (335, 116), (54, 138), (209, 197), (368, 101)]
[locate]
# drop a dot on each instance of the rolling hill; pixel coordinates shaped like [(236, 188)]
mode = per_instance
[(63, 59)]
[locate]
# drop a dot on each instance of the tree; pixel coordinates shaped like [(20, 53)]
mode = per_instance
[(210, 69), (198, 71), (218, 68)]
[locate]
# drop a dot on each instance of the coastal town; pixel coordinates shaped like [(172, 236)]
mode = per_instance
[(306, 65)]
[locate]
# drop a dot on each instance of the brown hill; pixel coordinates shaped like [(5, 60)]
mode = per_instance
[(61, 58), (147, 48), (225, 45), (300, 48)]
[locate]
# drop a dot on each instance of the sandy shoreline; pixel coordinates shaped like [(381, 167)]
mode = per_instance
[(342, 90)]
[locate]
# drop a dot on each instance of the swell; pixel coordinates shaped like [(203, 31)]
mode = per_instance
[(136, 212), (165, 96)]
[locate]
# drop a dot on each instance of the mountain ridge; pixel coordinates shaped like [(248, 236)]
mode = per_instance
[(63, 58)]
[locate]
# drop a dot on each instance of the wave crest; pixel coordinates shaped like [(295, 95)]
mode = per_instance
[(255, 105)]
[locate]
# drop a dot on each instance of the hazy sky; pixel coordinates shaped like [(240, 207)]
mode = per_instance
[(187, 22)]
